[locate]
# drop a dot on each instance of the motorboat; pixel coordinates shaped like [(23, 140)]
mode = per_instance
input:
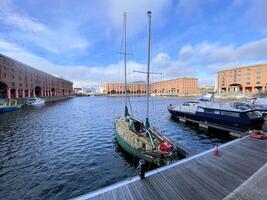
[(7, 105), (35, 101), (226, 115)]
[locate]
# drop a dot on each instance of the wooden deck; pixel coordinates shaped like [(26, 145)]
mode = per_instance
[(202, 176)]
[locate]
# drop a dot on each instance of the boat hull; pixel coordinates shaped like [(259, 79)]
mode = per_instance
[(11, 108), (131, 150), (241, 124)]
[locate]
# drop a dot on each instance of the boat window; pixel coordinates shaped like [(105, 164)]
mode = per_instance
[(217, 112), (12, 103), (207, 110), (253, 114), (230, 114), (200, 109)]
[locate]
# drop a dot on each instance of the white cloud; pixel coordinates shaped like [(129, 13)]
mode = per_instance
[(9, 15), (202, 60), (81, 75), (24, 23), (10, 47), (61, 39)]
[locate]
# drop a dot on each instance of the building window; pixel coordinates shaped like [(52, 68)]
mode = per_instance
[(248, 83), (258, 82), (258, 77), (248, 69), (248, 78), (13, 83)]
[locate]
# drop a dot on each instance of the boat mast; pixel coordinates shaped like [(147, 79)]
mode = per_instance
[(148, 70), (126, 113)]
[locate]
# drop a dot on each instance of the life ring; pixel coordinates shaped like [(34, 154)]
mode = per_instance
[(257, 134)]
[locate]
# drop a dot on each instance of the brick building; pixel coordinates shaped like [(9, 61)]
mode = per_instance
[(19, 80), (179, 87), (137, 88), (247, 79)]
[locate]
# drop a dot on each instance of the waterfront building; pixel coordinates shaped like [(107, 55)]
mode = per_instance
[(136, 88), (18, 80), (247, 79), (178, 86)]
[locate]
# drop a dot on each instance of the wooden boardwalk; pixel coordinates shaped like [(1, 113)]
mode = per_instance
[(202, 176)]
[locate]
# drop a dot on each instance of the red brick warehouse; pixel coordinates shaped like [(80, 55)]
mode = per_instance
[(18, 80)]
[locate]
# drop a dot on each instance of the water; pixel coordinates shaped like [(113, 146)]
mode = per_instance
[(65, 149)]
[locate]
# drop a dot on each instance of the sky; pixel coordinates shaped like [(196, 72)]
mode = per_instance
[(80, 40)]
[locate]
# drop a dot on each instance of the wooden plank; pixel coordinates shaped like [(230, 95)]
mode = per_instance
[(202, 177)]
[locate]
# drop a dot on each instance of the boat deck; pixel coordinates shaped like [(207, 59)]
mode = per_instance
[(202, 176)]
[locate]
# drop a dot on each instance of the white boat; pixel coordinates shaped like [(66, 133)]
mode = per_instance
[(260, 101), (235, 116), (35, 101), (242, 96), (259, 104)]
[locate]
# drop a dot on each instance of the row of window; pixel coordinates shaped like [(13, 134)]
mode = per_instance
[(247, 83), (258, 70)]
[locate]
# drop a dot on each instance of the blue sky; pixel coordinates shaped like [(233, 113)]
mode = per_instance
[(78, 40)]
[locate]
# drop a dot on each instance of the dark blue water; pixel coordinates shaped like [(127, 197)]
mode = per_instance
[(65, 149)]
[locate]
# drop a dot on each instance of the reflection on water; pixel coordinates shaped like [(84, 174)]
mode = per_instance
[(65, 149)]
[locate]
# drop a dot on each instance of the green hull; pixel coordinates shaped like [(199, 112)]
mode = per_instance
[(133, 151)]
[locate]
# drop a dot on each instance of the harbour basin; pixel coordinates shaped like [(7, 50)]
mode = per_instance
[(64, 149)]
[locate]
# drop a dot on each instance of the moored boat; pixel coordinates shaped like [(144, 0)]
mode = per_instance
[(226, 115), (7, 105), (35, 101), (138, 138)]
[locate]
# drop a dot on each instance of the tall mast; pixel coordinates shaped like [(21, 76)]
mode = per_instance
[(125, 65), (148, 69)]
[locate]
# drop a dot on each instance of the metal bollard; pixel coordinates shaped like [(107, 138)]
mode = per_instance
[(140, 168)]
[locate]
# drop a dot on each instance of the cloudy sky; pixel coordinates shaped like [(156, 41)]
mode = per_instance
[(79, 40)]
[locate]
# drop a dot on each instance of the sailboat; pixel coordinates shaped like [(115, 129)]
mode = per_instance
[(138, 138)]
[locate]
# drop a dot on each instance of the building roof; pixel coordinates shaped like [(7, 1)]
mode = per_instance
[(16, 61)]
